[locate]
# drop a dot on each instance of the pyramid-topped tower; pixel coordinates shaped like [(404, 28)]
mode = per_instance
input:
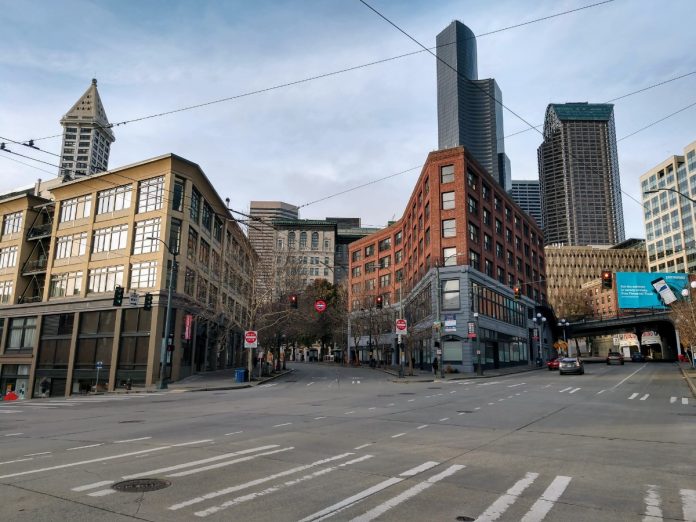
[(87, 136)]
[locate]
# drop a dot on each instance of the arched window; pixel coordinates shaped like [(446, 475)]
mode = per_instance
[(315, 240), (303, 240), (291, 240)]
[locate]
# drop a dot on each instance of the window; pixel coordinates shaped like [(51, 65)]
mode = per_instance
[(399, 256), (144, 275), (385, 262), (21, 333), (105, 279), (71, 246), (111, 238), (499, 250), (369, 250), (473, 232), (427, 236), (486, 217), (384, 244), (496, 202), (384, 280), (192, 245), (449, 228), (175, 236), (487, 242), (488, 267), (207, 216), (508, 214), (355, 256), (447, 174), (151, 194), (11, 223), (204, 254), (8, 257), (76, 208), (471, 179), (215, 262), (303, 240), (195, 209), (5, 291), (498, 227), (447, 200), (426, 211), (178, 194), (356, 271), (217, 229), (189, 282), (473, 205), (474, 260), (398, 238), (291, 240), (449, 256), (485, 191), (114, 199), (315, 241), (370, 267), (202, 290), (144, 230), (65, 285), (450, 294), (501, 275)]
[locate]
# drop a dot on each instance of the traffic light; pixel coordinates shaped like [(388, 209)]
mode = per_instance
[(293, 300), (378, 301), (607, 279), (148, 302), (118, 296), (517, 292)]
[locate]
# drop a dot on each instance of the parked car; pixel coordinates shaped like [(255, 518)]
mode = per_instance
[(615, 358), (637, 357), (571, 365), (552, 364)]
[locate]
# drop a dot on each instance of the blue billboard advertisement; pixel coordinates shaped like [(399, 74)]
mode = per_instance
[(649, 289)]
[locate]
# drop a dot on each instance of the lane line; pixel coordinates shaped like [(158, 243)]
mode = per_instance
[(548, 498), (131, 440), (633, 396), (600, 392), (34, 454), (418, 469), (13, 434), (363, 446), (94, 485), (15, 460), (515, 385), (84, 447), (348, 412), (653, 502), (319, 418), (392, 404), (573, 391), (398, 435), (256, 482), (688, 497), (409, 493), (477, 408), (198, 462), (501, 400), (644, 397), (373, 408), (277, 487), (444, 419), (233, 433), (229, 462), (191, 443), (628, 377), (503, 502), (102, 493), (283, 424), (422, 426), (411, 400), (461, 413)]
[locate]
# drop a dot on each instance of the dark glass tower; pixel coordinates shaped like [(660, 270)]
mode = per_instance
[(469, 110), (579, 176)]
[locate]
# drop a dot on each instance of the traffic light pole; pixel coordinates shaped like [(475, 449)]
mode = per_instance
[(162, 385)]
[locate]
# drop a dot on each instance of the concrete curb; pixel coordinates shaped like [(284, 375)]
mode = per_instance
[(689, 381), (232, 387)]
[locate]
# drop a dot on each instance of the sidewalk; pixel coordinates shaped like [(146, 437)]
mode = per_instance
[(689, 373), (429, 376)]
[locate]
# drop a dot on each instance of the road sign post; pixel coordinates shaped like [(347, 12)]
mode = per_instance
[(96, 384)]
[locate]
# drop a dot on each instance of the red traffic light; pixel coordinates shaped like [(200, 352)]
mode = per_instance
[(293, 300), (516, 290), (378, 301)]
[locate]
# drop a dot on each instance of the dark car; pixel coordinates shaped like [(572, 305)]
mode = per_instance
[(571, 365), (552, 364), (615, 358), (637, 357)]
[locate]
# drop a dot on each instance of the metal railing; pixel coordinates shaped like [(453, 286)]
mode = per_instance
[(40, 231)]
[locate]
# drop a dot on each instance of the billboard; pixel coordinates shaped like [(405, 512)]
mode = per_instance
[(649, 289)]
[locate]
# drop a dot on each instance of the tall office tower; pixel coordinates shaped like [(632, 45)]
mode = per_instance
[(526, 194), (87, 137), (668, 217), (579, 176), (469, 110)]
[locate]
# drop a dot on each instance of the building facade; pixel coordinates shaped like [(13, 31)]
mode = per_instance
[(668, 217), (460, 247), (527, 194), (579, 176), (568, 268), (87, 136), (469, 110), (61, 261)]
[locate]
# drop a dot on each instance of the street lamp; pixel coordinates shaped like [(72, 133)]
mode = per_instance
[(479, 370), (163, 351), (541, 321), (685, 293), (563, 323)]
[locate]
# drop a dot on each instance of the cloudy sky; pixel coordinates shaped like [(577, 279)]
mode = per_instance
[(308, 141)]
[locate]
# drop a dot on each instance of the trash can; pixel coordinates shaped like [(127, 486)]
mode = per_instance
[(240, 375)]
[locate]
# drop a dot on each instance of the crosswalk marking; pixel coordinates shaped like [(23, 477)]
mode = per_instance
[(515, 385), (409, 493), (633, 396), (685, 401), (398, 435), (229, 462), (502, 503), (95, 485), (418, 469), (688, 497), (565, 389), (653, 502), (548, 498), (644, 397), (574, 390), (672, 400), (102, 493), (283, 424), (422, 426)]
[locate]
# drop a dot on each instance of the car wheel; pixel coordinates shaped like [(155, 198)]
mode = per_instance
[(621, 363)]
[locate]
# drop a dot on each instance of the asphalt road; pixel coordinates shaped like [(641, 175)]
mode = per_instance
[(350, 444)]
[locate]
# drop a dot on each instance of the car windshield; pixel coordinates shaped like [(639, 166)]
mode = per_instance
[(614, 354), (569, 360)]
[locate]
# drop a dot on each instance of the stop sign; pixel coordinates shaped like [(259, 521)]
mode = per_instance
[(250, 339), (320, 305), (401, 326)]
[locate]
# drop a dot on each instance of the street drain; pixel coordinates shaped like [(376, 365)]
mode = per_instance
[(141, 485), (464, 518)]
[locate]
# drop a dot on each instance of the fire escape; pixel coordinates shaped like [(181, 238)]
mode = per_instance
[(34, 268)]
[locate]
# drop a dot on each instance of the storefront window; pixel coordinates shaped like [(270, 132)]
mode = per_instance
[(21, 335), (14, 378)]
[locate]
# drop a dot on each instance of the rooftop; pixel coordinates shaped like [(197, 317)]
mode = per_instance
[(583, 111)]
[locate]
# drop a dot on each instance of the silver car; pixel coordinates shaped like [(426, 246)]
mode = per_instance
[(571, 365)]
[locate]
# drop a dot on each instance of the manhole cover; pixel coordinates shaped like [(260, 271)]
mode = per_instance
[(141, 485), (129, 421)]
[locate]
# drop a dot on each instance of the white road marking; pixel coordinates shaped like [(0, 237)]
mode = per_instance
[(229, 462), (409, 493), (517, 394), (10, 411), (93, 486), (491, 403), (503, 502), (13, 434), (398, 435), (283, 424), (547, 386), (16, 460), (373, 408), (628, 377), (454, 391), (653, 511), (233, 433), (348, 412), (363, 446), (422, 426), (131, 440), (548, 498), (84, 447), (574, 390), (81, 462), (347, 502), (633, 396), (319, 418), (390, 404), (35, 454), (309, 384), (487, 383), (500, 400), (515, 385), (644, 397), (277, 487), (600, 392), (672, 400), (256, 482), (444, 419), (565, 389), (688, 497), (191, 443), (197, 462), (423, 467), (477, 408), (685, 401), (102, 493), (510, 396), (461, 413), (411, 400)]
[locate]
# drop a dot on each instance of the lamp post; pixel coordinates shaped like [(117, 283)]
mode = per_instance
[(163, 350), (479, 370), (686, 293), (541, 321), (564, 324)]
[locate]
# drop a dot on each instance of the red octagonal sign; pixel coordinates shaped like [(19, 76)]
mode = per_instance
[(320, 305), (401, 326), (250, 337)]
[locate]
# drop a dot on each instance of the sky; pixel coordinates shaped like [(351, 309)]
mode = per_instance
[(306, 142)]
